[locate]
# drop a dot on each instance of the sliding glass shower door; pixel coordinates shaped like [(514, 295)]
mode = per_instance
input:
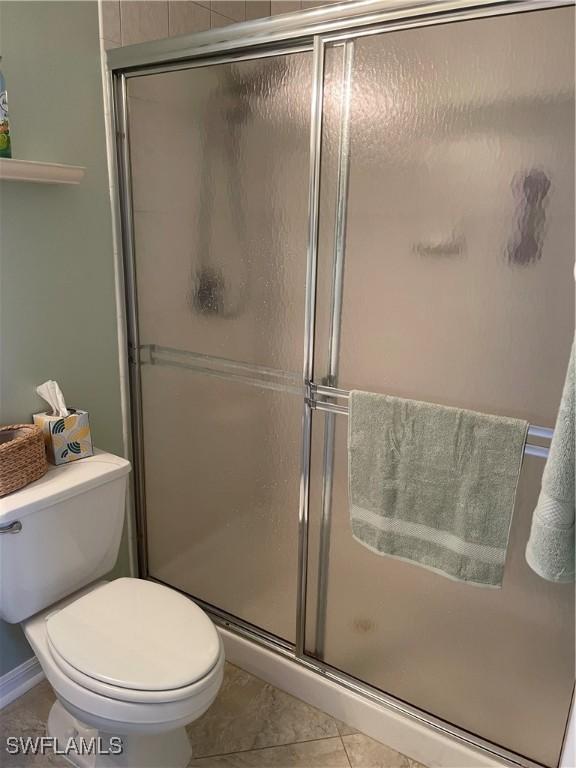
[(441, 157), (445, 275), (219, 161)]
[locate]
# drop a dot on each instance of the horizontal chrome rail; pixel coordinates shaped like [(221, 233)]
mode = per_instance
[(320, 390), (278, 380), (220, 367), (282, 29)]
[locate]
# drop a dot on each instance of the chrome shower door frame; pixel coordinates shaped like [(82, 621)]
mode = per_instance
[(305, 31)]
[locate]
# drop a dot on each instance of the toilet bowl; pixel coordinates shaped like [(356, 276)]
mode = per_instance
[(129, 659)]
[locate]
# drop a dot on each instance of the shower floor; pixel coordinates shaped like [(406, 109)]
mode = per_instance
[(250, 725)]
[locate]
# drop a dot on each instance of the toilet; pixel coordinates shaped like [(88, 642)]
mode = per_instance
[(131, 662)]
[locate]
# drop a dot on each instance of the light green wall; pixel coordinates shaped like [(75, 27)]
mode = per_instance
[(57, 306)]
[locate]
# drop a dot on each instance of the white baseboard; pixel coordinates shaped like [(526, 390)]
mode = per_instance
[(407, 736), (19, 680)]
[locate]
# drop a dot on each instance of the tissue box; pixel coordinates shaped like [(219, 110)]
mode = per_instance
[(66, 439)]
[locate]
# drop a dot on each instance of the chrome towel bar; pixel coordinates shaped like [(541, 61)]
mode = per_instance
[(319, 390), (276, 379)]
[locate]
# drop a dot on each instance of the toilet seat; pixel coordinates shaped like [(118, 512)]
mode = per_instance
[(113, 709), (124, 694), (135, 640)]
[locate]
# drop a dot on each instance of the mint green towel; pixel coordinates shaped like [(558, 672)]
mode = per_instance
[(550, 549), (433, 485)]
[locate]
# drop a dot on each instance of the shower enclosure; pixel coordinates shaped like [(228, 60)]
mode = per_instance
[(376, 197)]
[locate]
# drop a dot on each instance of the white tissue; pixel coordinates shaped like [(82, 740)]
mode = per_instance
[(51, 392)]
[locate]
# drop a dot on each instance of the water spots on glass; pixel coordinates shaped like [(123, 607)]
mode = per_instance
[(363, 626), (531, 192)]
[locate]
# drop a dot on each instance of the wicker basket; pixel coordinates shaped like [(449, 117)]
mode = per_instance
[(22, 456)]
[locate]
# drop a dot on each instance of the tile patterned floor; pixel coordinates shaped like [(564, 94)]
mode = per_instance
[(250, 725)]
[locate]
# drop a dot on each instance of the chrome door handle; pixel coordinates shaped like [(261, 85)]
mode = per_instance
[(14, 527)]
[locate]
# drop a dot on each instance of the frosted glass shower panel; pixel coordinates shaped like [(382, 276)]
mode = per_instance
[(219, 158), (471, 655), (457, 289), (222, 481)]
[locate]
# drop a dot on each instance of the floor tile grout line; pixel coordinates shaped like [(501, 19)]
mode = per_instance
[(272, 746), (345, 751)]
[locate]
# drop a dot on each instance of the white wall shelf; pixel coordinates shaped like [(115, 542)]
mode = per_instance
[(40, 173)]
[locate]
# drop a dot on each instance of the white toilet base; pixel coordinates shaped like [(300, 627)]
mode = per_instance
[(86, 747)]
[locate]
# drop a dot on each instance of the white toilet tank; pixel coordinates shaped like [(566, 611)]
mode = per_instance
[(60, 533)]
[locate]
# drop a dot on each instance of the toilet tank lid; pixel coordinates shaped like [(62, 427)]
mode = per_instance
[(63, 482)]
